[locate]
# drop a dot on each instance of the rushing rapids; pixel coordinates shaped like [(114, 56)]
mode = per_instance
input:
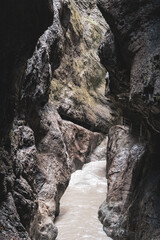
[(79, 205)]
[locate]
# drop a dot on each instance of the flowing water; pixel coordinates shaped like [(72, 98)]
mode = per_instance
[(78, 219)]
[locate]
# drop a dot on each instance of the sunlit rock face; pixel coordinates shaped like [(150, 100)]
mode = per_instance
[(78, 86), (130, 52)]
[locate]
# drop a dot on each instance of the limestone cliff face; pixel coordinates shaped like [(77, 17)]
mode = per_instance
[(131, 52)]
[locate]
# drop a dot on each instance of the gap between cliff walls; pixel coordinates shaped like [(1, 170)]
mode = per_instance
[(42, 149), (46, 148), (82, 113)]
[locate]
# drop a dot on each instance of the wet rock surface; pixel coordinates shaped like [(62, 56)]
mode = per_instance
[(55, 120)]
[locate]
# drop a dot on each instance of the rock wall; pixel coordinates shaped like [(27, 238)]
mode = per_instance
[(40, 146), (61, 146), (131, 52), (21, 26), (54, 114), (78, 86)]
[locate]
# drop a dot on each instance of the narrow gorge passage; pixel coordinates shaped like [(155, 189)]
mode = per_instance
[(78, 217)]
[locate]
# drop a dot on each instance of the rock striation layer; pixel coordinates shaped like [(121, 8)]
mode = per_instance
[(131, 52)]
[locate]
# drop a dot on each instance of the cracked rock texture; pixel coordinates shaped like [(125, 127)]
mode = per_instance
[(130, 52), (33, 153), (124, 157)]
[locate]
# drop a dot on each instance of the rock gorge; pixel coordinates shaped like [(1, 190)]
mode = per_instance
[(54, 112)]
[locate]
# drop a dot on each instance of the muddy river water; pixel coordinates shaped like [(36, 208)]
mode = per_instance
[(78, 219)]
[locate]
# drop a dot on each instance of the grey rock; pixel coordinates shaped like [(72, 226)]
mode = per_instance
[(19, 33), (124, 155), (130, 52), (54, 170), (131, 55)]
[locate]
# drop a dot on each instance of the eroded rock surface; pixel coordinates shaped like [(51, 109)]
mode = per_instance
[(78, 86), (80, 143), (124, 156), (52, 177), (40, 150), (21, 26), (130, 52), (52, 168)]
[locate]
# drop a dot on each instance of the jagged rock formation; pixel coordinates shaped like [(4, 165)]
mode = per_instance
[(40, 150), (80, 143), (21, 26), (78, 86), (124, 156), (55, 132), (131, 55), (41, 161), (59, 146), (131, 52), (19, 34)]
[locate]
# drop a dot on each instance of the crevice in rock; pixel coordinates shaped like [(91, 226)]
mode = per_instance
[(88, 126)]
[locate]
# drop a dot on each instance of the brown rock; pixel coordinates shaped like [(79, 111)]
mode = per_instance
[(80, 143), (78, 85)]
